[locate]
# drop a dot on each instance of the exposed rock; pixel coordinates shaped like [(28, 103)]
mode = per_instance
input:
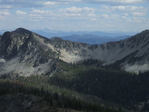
[(25, 53)]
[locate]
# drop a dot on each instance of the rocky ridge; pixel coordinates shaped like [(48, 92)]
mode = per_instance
[(132, 53), (26, 53), (23, 52)]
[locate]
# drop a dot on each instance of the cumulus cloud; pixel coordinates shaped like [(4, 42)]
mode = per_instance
[(104, 16), (77, 13), (48, 3), (5, 6), (18, 12), (115, 2), (127, 8), (65, 14), (139, 14), (4, 13), (33, 3), (45, 3), (74, 13), (38, 11), (78, 10)]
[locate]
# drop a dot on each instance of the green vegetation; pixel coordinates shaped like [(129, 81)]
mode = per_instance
[(117, 87), (86, 86), (55, 100)]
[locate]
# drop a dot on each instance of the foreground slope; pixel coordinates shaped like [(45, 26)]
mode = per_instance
[(25, 53), (18, 96)]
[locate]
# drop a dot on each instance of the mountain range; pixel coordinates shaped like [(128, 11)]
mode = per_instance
[(25, 52), (73, 75), (57, 33), (90, 37)]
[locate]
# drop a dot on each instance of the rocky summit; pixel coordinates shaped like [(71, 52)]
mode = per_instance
[(23, 52)]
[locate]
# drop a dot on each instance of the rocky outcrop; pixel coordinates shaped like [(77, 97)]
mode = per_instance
[(25, 53)]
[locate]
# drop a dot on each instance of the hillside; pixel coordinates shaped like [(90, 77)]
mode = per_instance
[(17, 96), (24, 52), (92, 74), (116, 88)]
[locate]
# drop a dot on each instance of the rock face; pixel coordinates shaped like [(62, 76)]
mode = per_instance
[(25, 53)]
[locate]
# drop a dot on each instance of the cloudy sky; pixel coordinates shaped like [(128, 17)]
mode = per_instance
[(76, 15)]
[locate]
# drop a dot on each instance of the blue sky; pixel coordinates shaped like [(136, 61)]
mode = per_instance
[(76, 15)]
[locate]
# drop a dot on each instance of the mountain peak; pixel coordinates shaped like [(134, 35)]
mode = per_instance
[(56, 39), (22, 31), (145, 31)]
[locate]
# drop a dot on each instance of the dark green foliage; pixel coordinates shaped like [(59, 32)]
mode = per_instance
[(91, 62), (118, 87), (111, 87), (55, 100)]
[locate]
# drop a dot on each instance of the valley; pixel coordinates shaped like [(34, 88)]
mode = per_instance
[(109, 77)]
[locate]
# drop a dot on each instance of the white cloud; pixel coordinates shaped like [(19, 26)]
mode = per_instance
[(32, 3), (35, 11), (127, 8), (139, 19), (49, 3), (5, 13), (62, 16), (104, 16), (72, 9), (18, 12), (115, 2), (130, 1), (92, 15), (139, 14), (38, 11), (126, 14), (78, 10), (5, 6), (75, 14)]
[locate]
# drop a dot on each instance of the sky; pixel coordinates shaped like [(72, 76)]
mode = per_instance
[(75, 15)]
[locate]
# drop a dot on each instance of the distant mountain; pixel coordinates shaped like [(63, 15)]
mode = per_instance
[(56, 33), (24, 52), (92, 39)]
